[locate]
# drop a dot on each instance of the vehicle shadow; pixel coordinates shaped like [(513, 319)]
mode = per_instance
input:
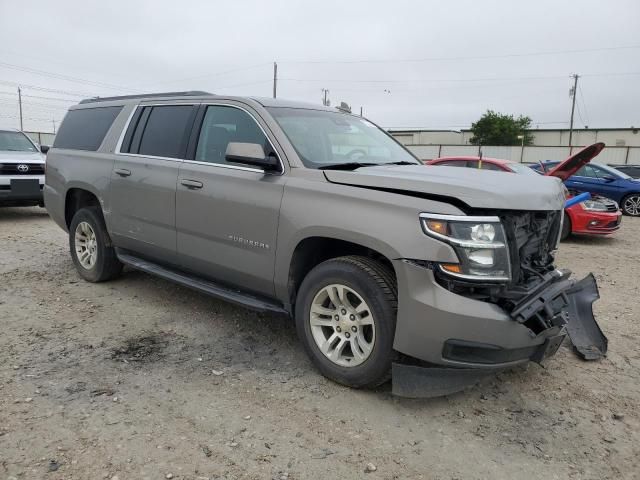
[(11, 214)]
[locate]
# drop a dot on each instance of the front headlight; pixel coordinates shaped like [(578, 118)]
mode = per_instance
[(594, 206), (479, 242)]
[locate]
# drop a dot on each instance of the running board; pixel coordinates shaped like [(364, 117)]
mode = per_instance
[(205, 286)]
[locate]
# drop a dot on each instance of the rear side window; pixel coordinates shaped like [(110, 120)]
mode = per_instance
[(490, 166), (160, 131), (452, 163), (86, 128)]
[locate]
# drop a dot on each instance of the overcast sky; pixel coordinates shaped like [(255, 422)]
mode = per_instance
[(432, 64)]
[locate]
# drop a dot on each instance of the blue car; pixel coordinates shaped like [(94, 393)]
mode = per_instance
[(603, 180)]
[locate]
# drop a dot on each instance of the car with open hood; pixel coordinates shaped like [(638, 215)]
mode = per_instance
[(431, 277), (597, 216), (602, 180)]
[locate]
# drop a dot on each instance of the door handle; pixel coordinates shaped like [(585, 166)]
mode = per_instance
[(191, 183), (123, 172)]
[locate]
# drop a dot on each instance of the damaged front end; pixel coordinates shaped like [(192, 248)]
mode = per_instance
[(539, 296), (545, 300)]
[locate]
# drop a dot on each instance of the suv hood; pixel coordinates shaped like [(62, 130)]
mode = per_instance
[(476, 188), (21, 157), (575, 162)]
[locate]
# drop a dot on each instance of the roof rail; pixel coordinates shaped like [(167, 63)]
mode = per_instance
[(190, 93)]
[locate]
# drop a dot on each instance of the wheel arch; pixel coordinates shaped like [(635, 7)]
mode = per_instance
[(77, 197), (312, 250)]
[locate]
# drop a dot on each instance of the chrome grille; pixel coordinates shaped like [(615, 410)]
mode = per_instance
[(21, 169)]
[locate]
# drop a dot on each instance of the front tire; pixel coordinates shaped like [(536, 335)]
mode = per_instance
[(93, 256), (631, 205), (345, 317)]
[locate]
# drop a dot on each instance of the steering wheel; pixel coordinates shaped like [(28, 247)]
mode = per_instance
[(355, 155)]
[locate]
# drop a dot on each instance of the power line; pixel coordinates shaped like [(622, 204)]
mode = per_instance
[(50, 90), (478, 57), (244, 84), (209, 75), (4, 115), (68, 78), (57, 99), (451, 80)]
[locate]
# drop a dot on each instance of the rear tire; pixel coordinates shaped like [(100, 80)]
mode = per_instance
[(93, 256), (566, 228), (346, 316)]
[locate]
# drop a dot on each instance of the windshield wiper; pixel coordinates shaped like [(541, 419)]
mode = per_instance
[(402, 162), (346, 166)]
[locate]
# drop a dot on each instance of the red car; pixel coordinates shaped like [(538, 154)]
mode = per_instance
[(598, 216)]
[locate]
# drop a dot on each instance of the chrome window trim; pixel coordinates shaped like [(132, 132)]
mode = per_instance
[(232, 167), (197, 162)]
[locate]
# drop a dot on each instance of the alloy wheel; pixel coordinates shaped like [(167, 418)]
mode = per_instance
[(342, 325), (631, 205), (86, 244)]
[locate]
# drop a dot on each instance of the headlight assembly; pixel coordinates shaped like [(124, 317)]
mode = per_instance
[(594, 206), (479, 242)]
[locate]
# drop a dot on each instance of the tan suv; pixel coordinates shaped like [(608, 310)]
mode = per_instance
[(436, 276)]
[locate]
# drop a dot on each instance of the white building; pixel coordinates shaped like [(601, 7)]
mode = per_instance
[(623, 144)]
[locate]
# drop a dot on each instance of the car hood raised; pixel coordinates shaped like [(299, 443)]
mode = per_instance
[(476, 188), (20, 157), (575, 162)]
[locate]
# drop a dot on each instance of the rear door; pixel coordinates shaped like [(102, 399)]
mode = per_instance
[(227, 214), (143, 181)]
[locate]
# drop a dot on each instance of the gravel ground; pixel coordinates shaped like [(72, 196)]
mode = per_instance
[(139, 378)]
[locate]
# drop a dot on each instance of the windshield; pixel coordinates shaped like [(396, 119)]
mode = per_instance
[(520, 168), (327, 139), (613, 171), (15, 142)]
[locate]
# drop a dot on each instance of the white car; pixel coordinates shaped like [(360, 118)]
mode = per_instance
[(22, 165)]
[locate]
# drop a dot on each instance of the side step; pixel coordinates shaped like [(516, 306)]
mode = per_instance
[(205, 286)]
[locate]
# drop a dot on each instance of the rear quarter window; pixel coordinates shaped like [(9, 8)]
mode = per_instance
[(85, 129)]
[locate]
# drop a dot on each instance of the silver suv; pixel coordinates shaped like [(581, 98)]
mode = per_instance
[(435, 276), (22, 166)]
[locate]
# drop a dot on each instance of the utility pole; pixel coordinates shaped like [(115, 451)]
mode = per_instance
[(275, 79), (20, 106), (54, 126), (325, 99), (360, 111), (573, 92)]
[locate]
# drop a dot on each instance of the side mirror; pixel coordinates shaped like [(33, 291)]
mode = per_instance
[(44, 148), (609, 178), (251, 154)]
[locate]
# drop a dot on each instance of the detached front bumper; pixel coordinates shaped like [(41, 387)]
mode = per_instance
[(457, 340)]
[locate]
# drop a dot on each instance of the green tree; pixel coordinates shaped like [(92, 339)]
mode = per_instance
[(500, 129)]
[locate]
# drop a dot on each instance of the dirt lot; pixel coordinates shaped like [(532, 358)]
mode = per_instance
[(139, 378)]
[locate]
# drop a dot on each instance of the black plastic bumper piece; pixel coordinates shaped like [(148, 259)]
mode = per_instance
[(561, 301), (587, 338), (413, 381)]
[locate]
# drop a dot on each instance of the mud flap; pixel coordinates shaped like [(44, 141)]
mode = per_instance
[(588, 341), (412, 381)]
